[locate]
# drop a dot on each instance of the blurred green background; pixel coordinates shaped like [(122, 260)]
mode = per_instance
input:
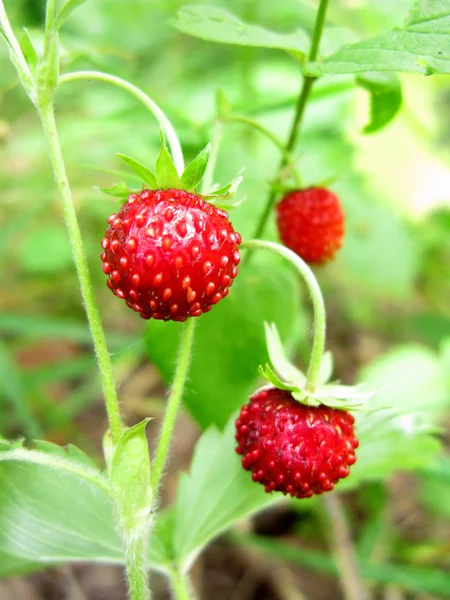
[(389, 286)]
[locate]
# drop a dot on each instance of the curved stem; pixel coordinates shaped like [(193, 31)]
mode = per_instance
[(180, 585), (318, 346), (299, 111), (93, 314), (173, 403), (164, 122)]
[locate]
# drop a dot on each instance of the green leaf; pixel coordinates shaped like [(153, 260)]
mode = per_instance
[(46, 251), (229, 341), (166, 173), (66, 10), (145, 174), (414, 394), (216, 493), (120, 190), (422, 45), (129, 473), (385, 98), (217, 25), (195, 171), (49, 516), (30, 54)]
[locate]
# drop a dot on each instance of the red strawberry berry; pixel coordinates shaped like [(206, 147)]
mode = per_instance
[(311, 224), (292, 448), (169, 254)]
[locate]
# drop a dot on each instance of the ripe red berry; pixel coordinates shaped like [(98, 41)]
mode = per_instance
[(169, 254), (311, 223), (292, 448)]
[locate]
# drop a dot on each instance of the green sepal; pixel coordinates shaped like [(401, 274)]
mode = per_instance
[(145, 174), (120, 190), (29, 53), (194, 172), (166, 173), (285, 376), (222, 196), (129, 474)]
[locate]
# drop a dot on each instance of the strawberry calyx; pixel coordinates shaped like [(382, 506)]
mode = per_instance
[(285, 376), (166, 176)]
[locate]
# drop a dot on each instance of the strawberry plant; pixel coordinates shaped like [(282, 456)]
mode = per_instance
[(215, 268)]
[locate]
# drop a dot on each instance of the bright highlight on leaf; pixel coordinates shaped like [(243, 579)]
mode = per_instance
[(217, 25), (422, 46)]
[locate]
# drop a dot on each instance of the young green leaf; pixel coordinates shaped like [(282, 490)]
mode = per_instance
[(217, 25), (30, 54), (422, 45), (120, 190), (195, 171), (166, 173), (66, 10), (145, 174), (129, 473), (385, 98)]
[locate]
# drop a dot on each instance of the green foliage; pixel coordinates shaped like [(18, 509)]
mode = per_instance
[(422, 45), (166, 173), (216, 493), (193, 174), (66, 9), (385, 98), (223, 370), (145, 174), (400, 435), (29, 53), (217, 25)]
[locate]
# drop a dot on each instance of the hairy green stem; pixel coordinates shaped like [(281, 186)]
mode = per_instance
[(342, 547), (173, 403), (164, 122), (181, 587), (136, 567), (319, 318), (299, 112), (49, 14), (47, 116)]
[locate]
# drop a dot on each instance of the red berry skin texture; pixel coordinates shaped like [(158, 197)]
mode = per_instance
[(170, 255), (311, 224), (292, 448)]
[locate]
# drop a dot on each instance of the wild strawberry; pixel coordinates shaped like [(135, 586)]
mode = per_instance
[(311, 223), (169, 254), (293, 448)]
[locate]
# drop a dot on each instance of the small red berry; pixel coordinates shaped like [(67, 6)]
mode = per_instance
[(169, 254), (292, 448), (311, 223)]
